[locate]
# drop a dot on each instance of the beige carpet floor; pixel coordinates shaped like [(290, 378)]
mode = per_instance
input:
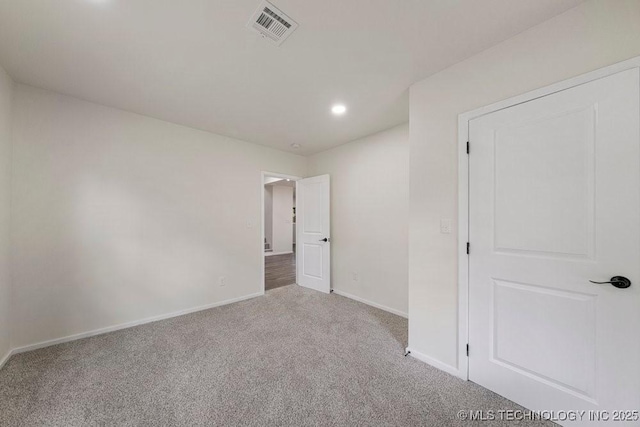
[(294, 357)]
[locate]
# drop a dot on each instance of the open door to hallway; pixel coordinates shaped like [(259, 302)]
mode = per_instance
[(279, 237)]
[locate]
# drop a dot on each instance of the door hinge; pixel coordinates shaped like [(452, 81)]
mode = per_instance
[(467, 350), (468, 248), (467, 147)]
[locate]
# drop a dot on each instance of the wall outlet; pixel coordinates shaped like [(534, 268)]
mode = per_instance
[(445, 226), (223, 281), (355, 276)]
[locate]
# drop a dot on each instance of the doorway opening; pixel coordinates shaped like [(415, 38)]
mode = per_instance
[(279, 230)]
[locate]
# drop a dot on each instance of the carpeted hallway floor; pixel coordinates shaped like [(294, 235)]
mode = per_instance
[(293, 357)]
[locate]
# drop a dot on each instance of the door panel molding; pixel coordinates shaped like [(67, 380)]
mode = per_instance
[(505, 299)]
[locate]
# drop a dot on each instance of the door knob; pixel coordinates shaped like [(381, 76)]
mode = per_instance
[(617, 281), (324, 240)]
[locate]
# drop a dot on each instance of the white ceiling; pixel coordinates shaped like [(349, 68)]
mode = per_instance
[(194, 62)]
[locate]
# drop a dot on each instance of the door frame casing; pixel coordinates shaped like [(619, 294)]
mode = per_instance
[(263, 175), (463, 188)]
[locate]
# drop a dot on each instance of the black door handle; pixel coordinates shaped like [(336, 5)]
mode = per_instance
[(617, 281), (324, 240)]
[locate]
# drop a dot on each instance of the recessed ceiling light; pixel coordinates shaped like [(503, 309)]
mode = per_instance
[(295, 145), (338, 109)]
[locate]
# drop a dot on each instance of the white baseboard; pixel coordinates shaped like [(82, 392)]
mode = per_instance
[(5, 358), (128, 325), (435, 363), (277, 253), (371, 303)]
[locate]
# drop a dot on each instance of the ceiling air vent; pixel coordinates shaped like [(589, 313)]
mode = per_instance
[(272, 23)]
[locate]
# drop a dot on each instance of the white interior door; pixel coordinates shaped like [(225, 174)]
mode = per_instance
[(554, 203), (313, 241)]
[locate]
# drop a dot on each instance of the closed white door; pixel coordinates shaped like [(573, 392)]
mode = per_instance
[(313, 241), (554, 204)]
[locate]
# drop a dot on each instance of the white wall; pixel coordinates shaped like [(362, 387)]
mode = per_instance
[(591, 36), (5, 204), (118, 217), (282, 218), (268, 214), (369, 216)]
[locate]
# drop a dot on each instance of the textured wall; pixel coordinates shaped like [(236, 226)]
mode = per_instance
[(369, 216), (119, 217), (6, 89)]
